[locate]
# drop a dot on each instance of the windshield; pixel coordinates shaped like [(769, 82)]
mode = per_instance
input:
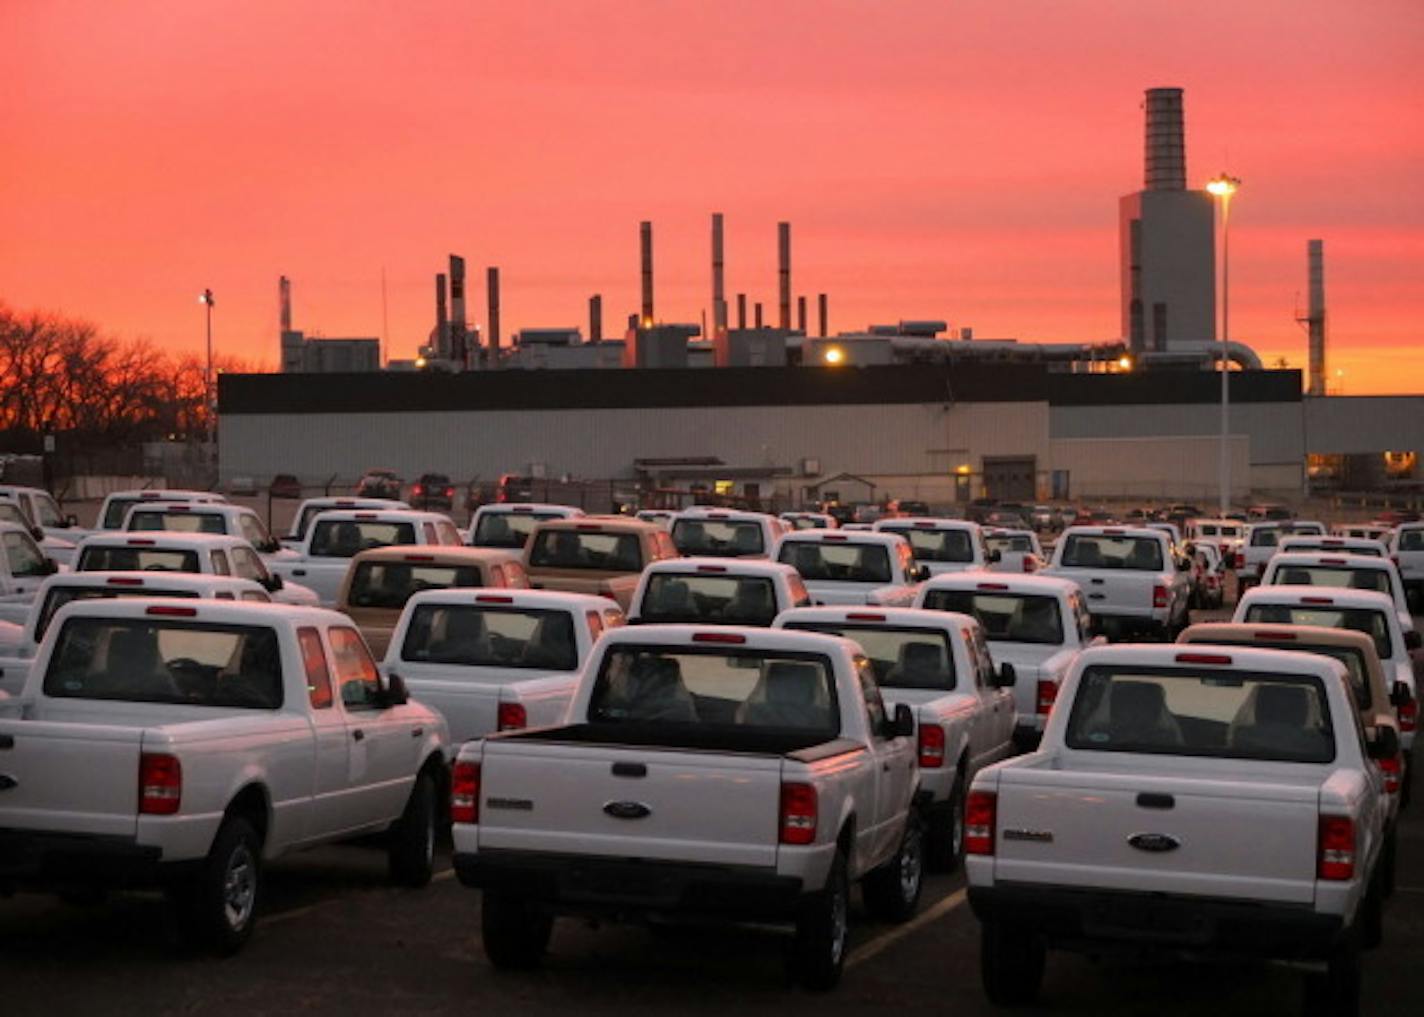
[(46, 511), (1092, 551), (346, 538), (507, 529), (389, 584), (1338, 576), (177, 522), (699, 597), (1211, 712), (936, 545), (1297, 544), (1269, 537), (718, 538), (58, 596), (472, 635), (1371, 623), (579, 549), (137, 559), (147, 660), (1005, 617), (902, 658), (723, 688), (841, 563)]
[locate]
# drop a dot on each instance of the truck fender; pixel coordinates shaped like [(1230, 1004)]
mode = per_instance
[(252, 800)]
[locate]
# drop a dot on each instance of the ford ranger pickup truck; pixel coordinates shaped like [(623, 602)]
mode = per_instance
[(313, 507), (703, 531), (1132, 577), (1340, 571), (203, 553), (12, 510), (941, 545), (703, 773), (598, 555), (847, 566), (716, 591), (1209, 800), (508, 524), (1406, 548), (23, 567)]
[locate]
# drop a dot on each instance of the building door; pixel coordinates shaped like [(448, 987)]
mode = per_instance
[(1010, 478)]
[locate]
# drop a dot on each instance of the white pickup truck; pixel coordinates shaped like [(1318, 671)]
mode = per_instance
[(313, 507), (43, 511), (939, 665), (203, 553), (847, 566), (1260, 541), (1036, 623), (12, 510), (334, 538), (1334, 544), (183, 745), (725, 533), (1406, 548), (703, 773), (116, 505), (716, 591), (941, 545), (1016, 551), (1206, 799), (1339, 571), (23, 567), (808, 520), (209, 517), (496, 660), (1132, 579), (509, 524)]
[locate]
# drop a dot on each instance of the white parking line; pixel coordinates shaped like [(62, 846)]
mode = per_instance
[(883, 942)]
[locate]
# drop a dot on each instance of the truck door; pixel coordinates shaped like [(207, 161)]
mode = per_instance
[(381, 765), (26, 562), (1000, 715), (330, 784), (893, 772)]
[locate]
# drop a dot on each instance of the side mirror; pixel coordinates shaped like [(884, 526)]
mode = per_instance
[(1412, 640), (1184, 565), (37, 532), (1007, 676), (394, 692), (902, 725), (274, 583), (49, 568), (1400, 696), (922, 573), (995, 557), (71, 520), (269, 546), (1384, 744)]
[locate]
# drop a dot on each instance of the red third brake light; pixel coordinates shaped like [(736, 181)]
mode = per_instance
[(864, 616), (931, 746), (711, 568), (141, 542), (160, 784), (493, 598), (172, 612), (718, 637), (1317, 600), (1279, 637), (512, 717), (1335, 855), (124, 581), (465, 793), (992, 586), (980, 814), (798, 813), (1203, 658)]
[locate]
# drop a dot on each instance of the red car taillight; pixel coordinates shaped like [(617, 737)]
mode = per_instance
[(160, 784), (1335, 856), (1393, 769), (979, 817), (1408, 715), (1030, 563), (931, 746), (1047, 694), (1159, 596), (512, 717), (1240, 562), (798, 813), (465, 793)]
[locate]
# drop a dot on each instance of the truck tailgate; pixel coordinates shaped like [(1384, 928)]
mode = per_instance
[(663, 804), (1195, 836), (69, 778), (1114, 591)]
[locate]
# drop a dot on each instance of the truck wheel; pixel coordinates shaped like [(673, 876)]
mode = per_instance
[(892, 892), (1011, 961), (945, 838), (515, 935), (219, 905), (1335, 991), (411, 851), (818, 953)]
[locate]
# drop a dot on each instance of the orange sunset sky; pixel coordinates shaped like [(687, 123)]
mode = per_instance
[(958, 159)]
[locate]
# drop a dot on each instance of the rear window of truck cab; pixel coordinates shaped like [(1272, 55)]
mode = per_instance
[(1203, 710), (178, 522), (902, 658), (166, 660), (1006, 543), (708, 597), (587, 549), (389, 584), (1110, 551), (1338, 576), (1005, 617), (1357, 619), (718, 537), (507, 529), (58, 596), (475, 635), (936, 545), (346, 538), (838, 562), (137, 559), (1411, 540)]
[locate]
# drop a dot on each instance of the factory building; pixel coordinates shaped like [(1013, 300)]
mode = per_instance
[(303, 354)]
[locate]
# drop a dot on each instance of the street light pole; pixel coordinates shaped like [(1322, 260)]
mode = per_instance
[(1223, 187), (207, 301)]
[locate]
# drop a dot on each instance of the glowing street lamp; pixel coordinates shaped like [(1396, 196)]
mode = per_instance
[(833, 356), (206, 299), (1222, 187)]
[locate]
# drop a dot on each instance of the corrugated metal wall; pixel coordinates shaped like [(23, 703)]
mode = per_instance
[(1364, 424), (1274, 429), (1166, 467)]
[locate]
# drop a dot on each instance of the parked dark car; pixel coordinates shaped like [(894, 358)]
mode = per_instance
[(380, 484), (433, 491), (284, 485)]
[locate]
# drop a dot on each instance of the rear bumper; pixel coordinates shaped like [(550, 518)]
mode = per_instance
[(42, 858), (575, 884), (1143, 921)]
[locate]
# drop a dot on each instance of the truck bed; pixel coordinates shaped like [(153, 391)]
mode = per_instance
[(804, 746)]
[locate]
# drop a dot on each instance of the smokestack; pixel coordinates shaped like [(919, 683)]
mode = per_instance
[(1166, 168), (457, 309), (821, 301), (442, 318), (284, 296), (1315, 322), (492, 292), (719, 297), (801, 314), (595, 318), (741, 310), (645, 236), (758, 314), (783, 250)]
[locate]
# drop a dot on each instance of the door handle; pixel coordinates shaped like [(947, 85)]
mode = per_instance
[(885, 766), (416, 732), (358, 735)]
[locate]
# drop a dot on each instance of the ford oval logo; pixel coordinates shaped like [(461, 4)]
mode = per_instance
[(1154, 842), (627, 810)]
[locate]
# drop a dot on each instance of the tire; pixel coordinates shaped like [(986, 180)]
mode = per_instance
[(411, 850), (218, 906), (515, 934), (1335, 992), (892, 892), (1011, 962), (944, 840), (818, 952)]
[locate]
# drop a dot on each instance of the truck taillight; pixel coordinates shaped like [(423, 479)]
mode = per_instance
[(1392, 768), (798, 813), (1047, 693), (160, 784), (465, 793), (1335, 857), (1030, 563), (1159, 596), (931, 746), (512, 717), (979, 819), (1408, 714), (1240, 560)]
